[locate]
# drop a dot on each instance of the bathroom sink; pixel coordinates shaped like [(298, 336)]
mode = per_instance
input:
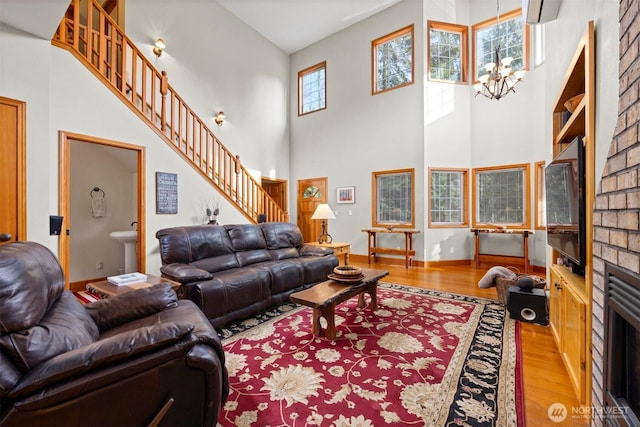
[(129, 238), (124, 236)]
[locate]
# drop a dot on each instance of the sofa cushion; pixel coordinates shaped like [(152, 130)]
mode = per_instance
[(280, 235), (110, 312), (188, 244), (65, 327), (31, 280), (246, 237)]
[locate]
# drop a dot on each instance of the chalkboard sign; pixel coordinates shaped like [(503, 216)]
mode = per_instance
[(166, 193)]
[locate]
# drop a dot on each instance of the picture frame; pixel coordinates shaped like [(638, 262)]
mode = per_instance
[(346, 195)]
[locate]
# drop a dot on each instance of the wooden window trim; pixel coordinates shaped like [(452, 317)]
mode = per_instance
[(454, 28), (491, 22), (540, 215), (465, 199), (527, 195), (374, 63), (301, 74), (374, 198)]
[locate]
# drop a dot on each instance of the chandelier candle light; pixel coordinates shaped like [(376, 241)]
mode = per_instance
[(500, 78)]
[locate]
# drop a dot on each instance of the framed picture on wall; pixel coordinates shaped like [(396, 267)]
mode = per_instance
[(346, 195)]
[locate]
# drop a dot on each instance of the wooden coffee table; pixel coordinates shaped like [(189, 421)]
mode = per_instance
[(324, 297)]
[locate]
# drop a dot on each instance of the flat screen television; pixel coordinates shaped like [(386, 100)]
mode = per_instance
[(565, 204)]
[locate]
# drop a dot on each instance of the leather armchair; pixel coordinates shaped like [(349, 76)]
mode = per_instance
[(141, 358)]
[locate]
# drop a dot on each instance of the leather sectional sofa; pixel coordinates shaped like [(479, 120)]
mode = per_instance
[(141, 358), (234, 271)]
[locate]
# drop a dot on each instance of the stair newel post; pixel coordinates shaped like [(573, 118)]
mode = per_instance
[(164, 86), (237, 165)]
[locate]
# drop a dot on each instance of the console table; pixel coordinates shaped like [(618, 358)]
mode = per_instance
[(525, 242), (408, 252)]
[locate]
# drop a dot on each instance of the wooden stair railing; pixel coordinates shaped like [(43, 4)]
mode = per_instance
[(108, 53)]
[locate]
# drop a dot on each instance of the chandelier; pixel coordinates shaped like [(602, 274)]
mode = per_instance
[(500, 78)]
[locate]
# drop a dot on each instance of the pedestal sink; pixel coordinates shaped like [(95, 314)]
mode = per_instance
[(129, 238)]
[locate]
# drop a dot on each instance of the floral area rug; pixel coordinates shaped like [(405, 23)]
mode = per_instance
[(423, 358)]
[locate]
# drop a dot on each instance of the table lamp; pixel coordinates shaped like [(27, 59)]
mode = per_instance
[(324, 212)]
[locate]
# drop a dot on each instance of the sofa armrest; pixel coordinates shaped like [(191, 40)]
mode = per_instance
[(310, 250), (184, 273), (110, 312), (104, 352)]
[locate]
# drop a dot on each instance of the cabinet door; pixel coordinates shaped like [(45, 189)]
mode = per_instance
[(555, 307), (573, 339)]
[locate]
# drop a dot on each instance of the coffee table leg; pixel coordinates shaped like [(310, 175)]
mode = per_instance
[(329, 314), (316, 328), (372, 291)]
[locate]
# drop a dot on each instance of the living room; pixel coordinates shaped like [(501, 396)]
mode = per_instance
[(418, 126)]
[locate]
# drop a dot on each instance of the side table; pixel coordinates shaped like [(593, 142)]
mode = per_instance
[(338, 249), (106, 289)]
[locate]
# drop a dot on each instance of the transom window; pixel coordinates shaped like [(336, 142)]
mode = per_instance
[(393, 199), (447, 51), (510, 33), (501, 196), (448, 198), (392, 57), (312, 93)]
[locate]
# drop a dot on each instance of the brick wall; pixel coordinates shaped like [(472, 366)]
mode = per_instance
[(616, 215)]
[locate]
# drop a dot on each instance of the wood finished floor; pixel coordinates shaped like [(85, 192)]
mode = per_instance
[(544, 376)]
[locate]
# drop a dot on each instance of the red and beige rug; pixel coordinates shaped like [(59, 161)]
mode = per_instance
[(424, 358)]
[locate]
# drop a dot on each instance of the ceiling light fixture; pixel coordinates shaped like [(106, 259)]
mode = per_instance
[(500, 78), (159, 47)]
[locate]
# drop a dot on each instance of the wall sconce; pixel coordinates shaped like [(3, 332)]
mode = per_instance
[(159, 47), (219, 118)]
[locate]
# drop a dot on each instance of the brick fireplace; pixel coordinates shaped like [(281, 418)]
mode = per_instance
[(616, 215)]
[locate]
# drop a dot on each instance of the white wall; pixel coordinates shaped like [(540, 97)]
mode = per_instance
[(62, 95)]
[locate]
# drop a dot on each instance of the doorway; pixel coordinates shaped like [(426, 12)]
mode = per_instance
[(311, 193), (13, 222), (113, 171), (277, 189)]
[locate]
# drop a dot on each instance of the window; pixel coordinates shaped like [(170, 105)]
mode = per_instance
[(393, 201), (448, 198), (501, 196), (510, 33), (447, 54), (541, 209), (312, 90), (392, 57), (539, 41)]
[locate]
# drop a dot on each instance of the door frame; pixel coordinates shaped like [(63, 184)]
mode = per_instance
[(283, 184), (64, 193), (21, 175)]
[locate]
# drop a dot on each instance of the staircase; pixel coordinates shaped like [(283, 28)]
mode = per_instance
[(106, 51)]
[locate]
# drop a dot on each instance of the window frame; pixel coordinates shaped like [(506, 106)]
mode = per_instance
[(301, 74), (463, 30), (540, 222), (491, 23), (374, 62), (374, 198), (526, 206), (464, 196)]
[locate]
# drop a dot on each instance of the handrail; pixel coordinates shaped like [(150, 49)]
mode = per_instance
[(105, 50)]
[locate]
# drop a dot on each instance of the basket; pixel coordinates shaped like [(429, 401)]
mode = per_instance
[(502, 285)]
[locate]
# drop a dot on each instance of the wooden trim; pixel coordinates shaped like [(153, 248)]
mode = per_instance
[(374, 63), (538, 171), (464, 34), (64, 193), (21, 167), (374, 198), (301, 75), (491, 22), (527, 195), (465, 198)]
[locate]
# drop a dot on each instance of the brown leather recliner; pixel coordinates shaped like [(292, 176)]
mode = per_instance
[(141, 358)]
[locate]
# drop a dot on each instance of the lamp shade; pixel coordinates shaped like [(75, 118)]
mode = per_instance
[(323, 211)]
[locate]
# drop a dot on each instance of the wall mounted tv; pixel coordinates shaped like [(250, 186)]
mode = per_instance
[(564, 180)]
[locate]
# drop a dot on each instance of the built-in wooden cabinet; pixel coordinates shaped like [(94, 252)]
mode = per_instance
[(571, 295)]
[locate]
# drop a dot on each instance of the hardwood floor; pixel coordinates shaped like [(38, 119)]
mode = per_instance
[(544, 376)]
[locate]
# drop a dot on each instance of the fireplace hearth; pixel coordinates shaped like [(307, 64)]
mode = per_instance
[(622, 348)]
